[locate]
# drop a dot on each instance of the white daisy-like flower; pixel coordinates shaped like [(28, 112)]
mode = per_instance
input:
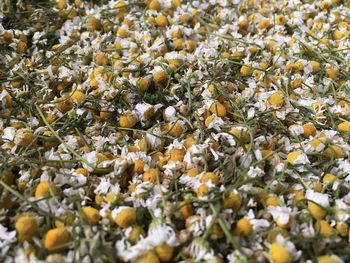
[(9, 133), (200, 250), (196, 225), (296, 130), (159, 233), (257, 224), (343, 209), (255, 172), (319, 198), (106, 187), (289, 246), (6, 238), (280, 214), (170, 114), (216, 123)]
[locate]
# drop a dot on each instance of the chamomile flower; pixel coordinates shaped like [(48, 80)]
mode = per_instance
[(199, 250), (166, 126), (283, 250), (281, 215)]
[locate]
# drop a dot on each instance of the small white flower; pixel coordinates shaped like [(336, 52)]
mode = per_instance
[(289, 246), (255, 172), (106, 187), (319, 198), (280, 214), (9, 133), (200, 249), (296, 130), (216, 123), (257, 224), (92, 159), (170, 113)]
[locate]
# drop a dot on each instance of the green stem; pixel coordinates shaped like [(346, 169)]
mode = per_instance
[(61, 140)]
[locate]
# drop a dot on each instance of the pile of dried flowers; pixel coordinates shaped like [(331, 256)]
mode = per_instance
[(175, 131)]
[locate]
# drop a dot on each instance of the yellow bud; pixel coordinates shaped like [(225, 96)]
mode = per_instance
[(176, 3), (240, 133), (193, 172), (26, 139), (264, 24), (160, 77), (143, 84), (209, 176), (136, 234), (186, 210), (243, 24), (208, 120), (150, 176), (190, 142), (332, 73), (276, 99), (190, 45), (164, 252), (127, 120), (280, 20), (101, 59), (344, 126), (329, 259), (324, 228), (342, 229), (126, 217), (57, 237), (154, 5), (232, 201), (45, 189), (7, 37), (293, 156), (218, 109), (202, 190), (337, 35), (246, 70), (8, 177), (91, 215), (139, 166), (244, 227), (329, 178), (316, 66), (148, 257), (121, 7), (161, 21), (316, 211), (82, 171), (63, 104), (177, 155), (61, 4), (309, 130), (93, 24), (297, 83), (122, 33), (26, 228), (272, 201), (279, 254), (77, 96), (175, 62), (317, 186), (175, 130), (21, 46), (298, 65), (334, 151)]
